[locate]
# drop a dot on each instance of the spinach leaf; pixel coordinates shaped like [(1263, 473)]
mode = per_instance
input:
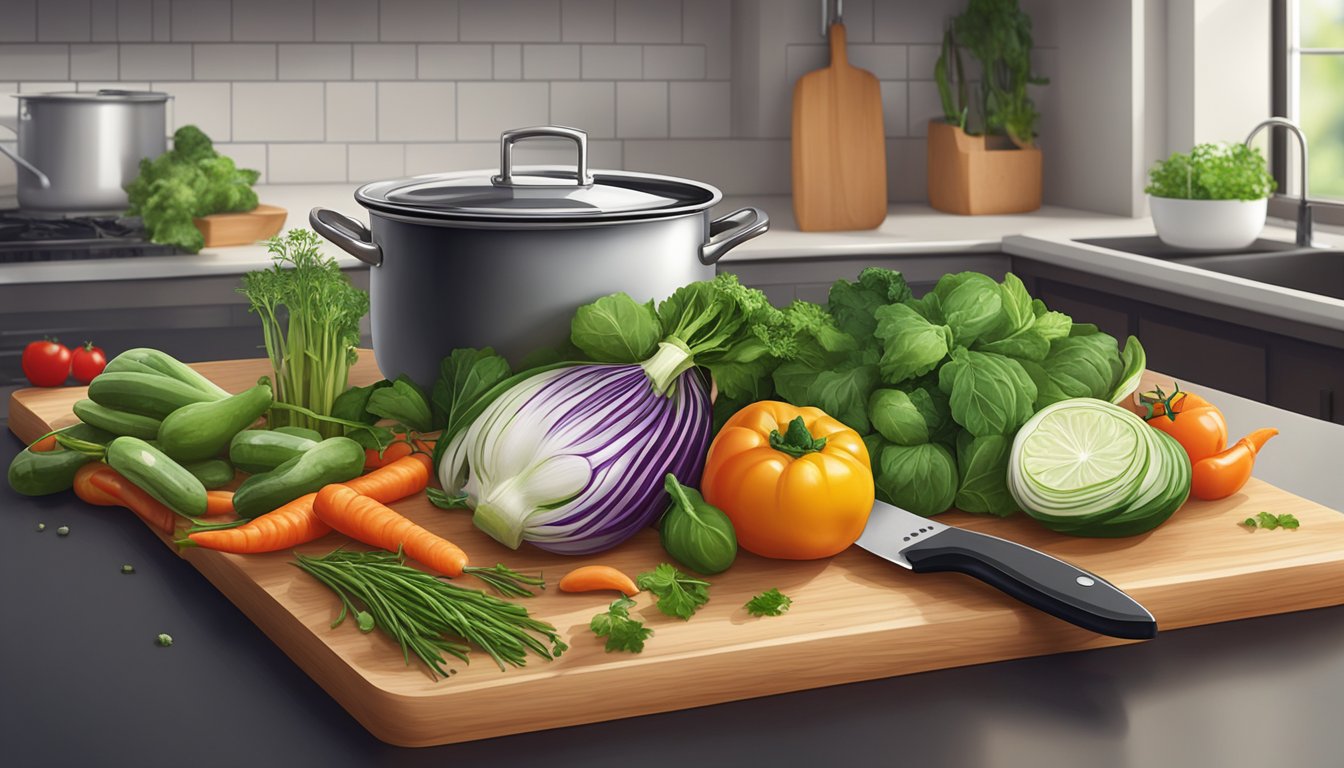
[(1080, 366), (464, 376), (911, 345), (352, 404), (1027, 344), (971, 304), (1134, 361), (616, 329), (919, 478), (989, 394), (983, 464), (402, 402), (854, 304), (897, 418), (841, 391), (1051, 325)]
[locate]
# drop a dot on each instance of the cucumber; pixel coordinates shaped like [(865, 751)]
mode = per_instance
[(201, 430), (116, 422), (153, 472), (311, 434), (333, 460), (213, 473), (166, 365), (144, 393), (262, 450), (39, 473)]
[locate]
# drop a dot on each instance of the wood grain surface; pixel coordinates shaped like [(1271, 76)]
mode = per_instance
[(854, 616), (839, 150)]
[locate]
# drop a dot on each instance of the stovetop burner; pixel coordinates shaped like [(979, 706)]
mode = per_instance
[(27, 238)]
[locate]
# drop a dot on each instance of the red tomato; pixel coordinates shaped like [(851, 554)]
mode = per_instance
[(86, 362), (46, 363)]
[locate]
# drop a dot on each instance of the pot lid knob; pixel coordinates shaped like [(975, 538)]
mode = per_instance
[(509, 138)]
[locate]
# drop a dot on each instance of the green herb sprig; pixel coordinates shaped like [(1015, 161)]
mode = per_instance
[(1213, 171), (771, 602), (678, 595), (1270, 521), (622, 632)]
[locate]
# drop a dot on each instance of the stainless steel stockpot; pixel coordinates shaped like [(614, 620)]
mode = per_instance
[(476, 259), (77, 151)]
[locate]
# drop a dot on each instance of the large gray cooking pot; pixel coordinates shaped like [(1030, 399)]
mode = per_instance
[(77, 151), (475, 259)]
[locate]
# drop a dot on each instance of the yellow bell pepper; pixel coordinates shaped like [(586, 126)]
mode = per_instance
[(795, 482)]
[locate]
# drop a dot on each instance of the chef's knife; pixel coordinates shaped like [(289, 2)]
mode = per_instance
[(1035, 578)]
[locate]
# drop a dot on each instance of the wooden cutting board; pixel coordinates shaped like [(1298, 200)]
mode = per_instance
[(854, 617), (839, 149)]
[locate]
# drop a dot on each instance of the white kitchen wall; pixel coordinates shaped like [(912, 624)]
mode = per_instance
[(353, 90)]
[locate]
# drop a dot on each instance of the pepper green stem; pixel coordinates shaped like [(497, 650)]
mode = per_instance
[(670, 361), (796, 441)]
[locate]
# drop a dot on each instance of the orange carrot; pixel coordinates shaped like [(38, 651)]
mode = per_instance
[(90, 494), (369, 521), (296, 523), (282, 528), (47, 443), (219, 503), (593, 578), (148, 508), (402, 447)]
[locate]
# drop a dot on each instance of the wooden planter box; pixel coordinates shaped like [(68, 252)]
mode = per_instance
[(244, 228), (968, 177)]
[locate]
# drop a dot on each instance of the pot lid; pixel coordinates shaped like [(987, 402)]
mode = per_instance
[(103, 96), (539, 193)]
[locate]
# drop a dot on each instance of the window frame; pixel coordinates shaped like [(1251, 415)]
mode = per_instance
[(1281, 204)]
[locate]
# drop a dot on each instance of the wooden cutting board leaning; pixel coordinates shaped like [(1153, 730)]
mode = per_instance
[(839, 150), (854, 617)]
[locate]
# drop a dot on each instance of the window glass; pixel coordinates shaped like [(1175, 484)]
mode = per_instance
[(1320, 94)]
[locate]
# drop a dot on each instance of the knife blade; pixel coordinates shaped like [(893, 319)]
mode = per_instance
[(1037, 579)]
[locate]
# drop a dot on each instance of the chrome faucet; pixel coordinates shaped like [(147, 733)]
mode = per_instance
[(1303, 208)]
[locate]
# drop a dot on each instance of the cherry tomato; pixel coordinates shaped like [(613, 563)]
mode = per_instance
[(46, 363), (86, 362)]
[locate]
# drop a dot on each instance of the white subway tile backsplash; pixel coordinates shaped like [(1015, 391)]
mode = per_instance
[(43, 86), (924, 105), (93, 62), (508, 61), (352, 111), (156, 62), (63, 21), (907, 171), (417, 111), (801, 59), (886, 62), (20, 24), (613, 62), (208, 106), (487, 109), (590, 106), (34, 62), (858, 20), (709, 23), (454, 62), (418, 20), (641, 110), (384, 62), (701, 110), (195, 21), (674, 62), (736, 167), (233, 61), (163, 21), (250, 156), (89, 86), (314, 61), (375, 162), (345, 21), (922, 59), (483, 156), (895, 104), (648, 21), (921, 22), (588, 21), (103, 22), (551, 62), (310, 163), (278, 112), (135, 21), (513, 21), (279, 21)]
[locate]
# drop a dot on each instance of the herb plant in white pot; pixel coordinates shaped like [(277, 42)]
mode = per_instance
[(1214, 198)]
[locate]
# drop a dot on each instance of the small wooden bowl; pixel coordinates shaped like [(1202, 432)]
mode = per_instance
[(242, 228)]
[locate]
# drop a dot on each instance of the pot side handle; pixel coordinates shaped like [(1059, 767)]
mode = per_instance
[(42, 179), (347, 234), (730, 231)]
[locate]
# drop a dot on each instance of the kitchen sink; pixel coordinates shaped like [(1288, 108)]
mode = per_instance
[(1314, 270)]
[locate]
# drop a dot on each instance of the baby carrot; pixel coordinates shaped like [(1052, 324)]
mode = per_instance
[(369, 521), (394, 481), (219, 503), (148, 508), (289, 525), (592, 578), (47, 443), (89, 493)]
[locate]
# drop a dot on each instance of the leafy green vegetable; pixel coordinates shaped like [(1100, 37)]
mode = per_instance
[(188, 181), (678, 594), (464, 376), (896, 417), (696, 533), (310, 315), (1270, 521), (971, 305), (1086, 365), (403, 402), (616, 329), (983, 466), (771, 602), (841, 392), (853, 304), (1212, 171), (622, 632), (911, 345), (990, 394), (918, 478)]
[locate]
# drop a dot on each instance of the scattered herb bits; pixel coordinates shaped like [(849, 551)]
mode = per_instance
[(1270, 521), (678, 595), (622, 632), (128, 568), (772, 602), (164, 640), (41, 527), (64, 530)]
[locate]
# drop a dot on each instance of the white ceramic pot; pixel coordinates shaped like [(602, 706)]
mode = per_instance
[(1207, 225)]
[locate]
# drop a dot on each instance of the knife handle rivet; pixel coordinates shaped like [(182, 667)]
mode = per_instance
[(1085, 581), (907, 538)]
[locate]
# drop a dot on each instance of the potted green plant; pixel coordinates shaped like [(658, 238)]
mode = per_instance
[(1214, 197), (983, 158)]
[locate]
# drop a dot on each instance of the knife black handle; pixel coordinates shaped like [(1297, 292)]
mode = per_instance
[(1037, 579)]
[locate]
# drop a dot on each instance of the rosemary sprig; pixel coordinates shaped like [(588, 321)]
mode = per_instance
[(427, 615)]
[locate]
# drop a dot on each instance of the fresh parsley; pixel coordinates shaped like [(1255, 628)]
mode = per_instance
[(622, 632), (678, 595), (1270, 521), (771, 602)]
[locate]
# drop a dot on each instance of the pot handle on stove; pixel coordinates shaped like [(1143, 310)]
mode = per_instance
[(349, 235), (730, 231), (42, 179)]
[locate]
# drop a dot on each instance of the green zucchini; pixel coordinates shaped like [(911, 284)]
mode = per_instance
[(169, 366), (39, 473), (153, 472), (144, 393), (213, 473), (261, 450), (333, 460), (311, 434), (117, 422), (201, 430)]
